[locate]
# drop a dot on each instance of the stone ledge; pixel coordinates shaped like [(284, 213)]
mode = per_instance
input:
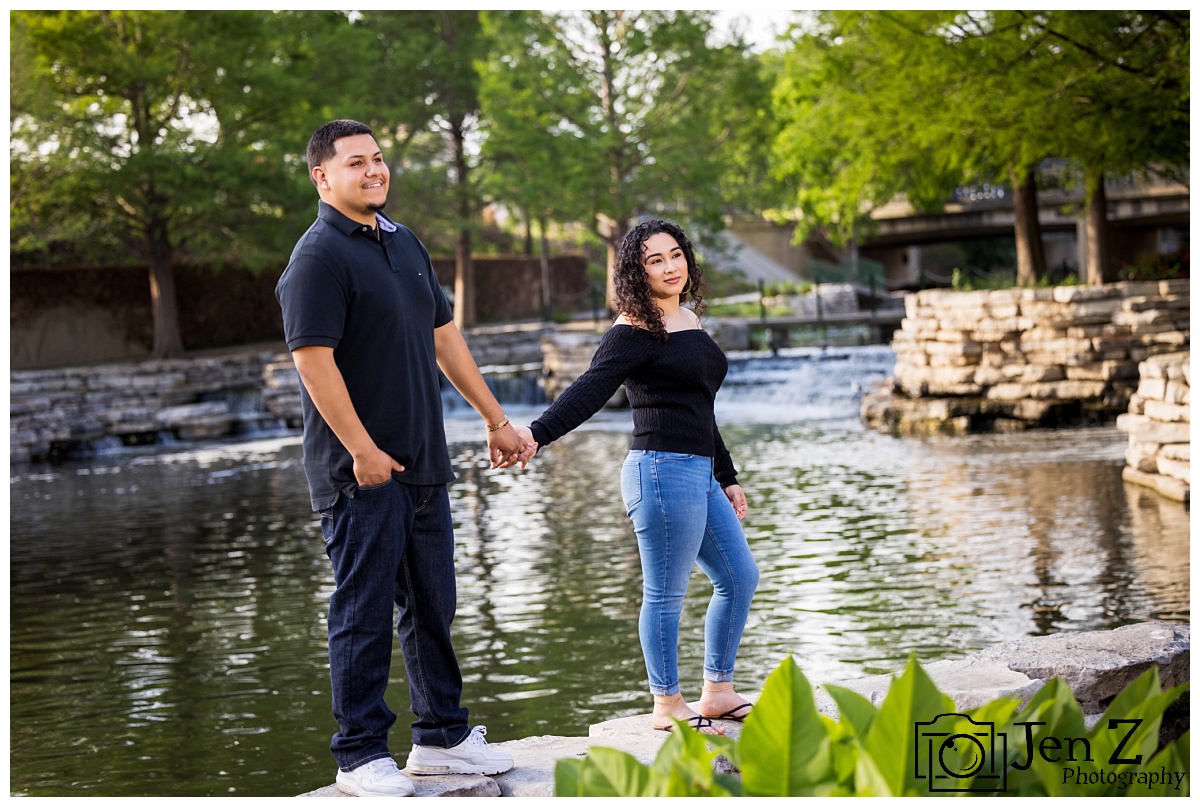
[(1095, 664)]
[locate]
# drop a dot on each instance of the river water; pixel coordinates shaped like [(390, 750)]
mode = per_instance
[(167, 604)]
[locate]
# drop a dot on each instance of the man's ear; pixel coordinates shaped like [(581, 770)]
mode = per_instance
[(318, 175)]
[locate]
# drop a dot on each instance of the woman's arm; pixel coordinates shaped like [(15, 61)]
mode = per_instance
[(726, 474), (620, 353)]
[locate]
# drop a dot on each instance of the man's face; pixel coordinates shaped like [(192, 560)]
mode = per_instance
[(355, 179)]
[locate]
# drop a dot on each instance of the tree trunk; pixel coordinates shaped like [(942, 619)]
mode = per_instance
[(529, 234), (611, 232), (464, 267), (168, 344), (547, 296), (1099, 271), (464, 281), (1031, 258), (619, 223)]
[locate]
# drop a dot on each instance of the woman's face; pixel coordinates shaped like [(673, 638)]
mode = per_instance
[(665, 264)]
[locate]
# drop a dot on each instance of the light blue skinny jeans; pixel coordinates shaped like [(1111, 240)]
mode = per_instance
[(682, 517)]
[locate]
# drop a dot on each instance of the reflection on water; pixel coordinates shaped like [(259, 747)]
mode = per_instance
[(167, 609)]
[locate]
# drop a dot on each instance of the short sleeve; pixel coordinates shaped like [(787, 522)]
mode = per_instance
[(443, 312), (314, 303)]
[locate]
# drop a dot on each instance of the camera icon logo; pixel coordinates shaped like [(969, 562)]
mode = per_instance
[(954, 753)]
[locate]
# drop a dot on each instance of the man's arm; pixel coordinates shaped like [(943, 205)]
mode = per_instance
[(505, 447), (327, 388)]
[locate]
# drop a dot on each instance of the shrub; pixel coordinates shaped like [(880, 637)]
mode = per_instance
[(787, 748), (1158, 266)]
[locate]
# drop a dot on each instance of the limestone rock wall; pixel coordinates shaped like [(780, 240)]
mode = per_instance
[(65, 410), (1016, 358), (1158, 424), (135, 402)]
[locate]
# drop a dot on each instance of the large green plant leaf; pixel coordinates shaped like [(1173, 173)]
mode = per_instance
[(785, 749), (684, 765), (854, 711), (912, 699), (1126, 735), (609, 772), (1051, 712), (566, 777), (1172, 761)]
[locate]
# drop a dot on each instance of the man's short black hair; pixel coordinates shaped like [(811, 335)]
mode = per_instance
[(321, 146)]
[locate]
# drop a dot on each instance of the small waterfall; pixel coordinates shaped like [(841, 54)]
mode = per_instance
[(512, 385), (802, 383), (102, 446)]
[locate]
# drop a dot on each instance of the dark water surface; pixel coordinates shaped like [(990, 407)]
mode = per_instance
[(167, 607)]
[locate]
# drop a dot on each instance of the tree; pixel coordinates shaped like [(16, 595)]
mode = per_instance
[(862, 124), (161, 138), (631, 99), (968, 97), (1122, 95), (431, 56)]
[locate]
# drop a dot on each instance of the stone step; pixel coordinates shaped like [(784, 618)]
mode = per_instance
[(1096, 665)]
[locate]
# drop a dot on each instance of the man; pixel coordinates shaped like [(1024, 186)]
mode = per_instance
[(369, 326)]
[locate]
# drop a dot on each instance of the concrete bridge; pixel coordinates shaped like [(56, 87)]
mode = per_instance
[(909, 248), (899, 224)]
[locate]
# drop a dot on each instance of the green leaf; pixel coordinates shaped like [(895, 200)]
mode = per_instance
[(785, 748), (1128, 729), (566, 777), (854, 711), (1054, 706), (609, 772), (868, 779), (912, 700), (1160, 776)]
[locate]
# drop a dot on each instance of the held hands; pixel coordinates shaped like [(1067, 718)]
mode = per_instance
[(738, 500), (508, 446)]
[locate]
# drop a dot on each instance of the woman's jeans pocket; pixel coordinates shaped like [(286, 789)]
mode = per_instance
[(631, 480)]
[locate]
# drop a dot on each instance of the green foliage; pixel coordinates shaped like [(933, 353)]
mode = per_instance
[(1156, 266), (745, 310), (608, 115), (780, 288), (163, 132), (963, 98), (914, 744)]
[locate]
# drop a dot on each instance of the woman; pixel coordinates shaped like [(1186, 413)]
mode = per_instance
[(678, 483)]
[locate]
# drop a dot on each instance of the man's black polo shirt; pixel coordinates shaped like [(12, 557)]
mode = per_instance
[(376, 303)]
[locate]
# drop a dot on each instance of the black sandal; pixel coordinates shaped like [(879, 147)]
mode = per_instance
[(698, 722), (732, 714)]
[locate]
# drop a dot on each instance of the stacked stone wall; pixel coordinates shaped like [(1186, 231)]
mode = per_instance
[(57, 411), (1019, 358), (69, 410), (1158, 423)]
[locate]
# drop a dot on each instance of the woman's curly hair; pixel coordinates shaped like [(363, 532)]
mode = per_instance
[(632, 287)]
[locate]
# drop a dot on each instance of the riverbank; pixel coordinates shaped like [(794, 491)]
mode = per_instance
[(1096, 665)]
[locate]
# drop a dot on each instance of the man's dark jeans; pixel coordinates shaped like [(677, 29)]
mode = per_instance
[(392, 544)]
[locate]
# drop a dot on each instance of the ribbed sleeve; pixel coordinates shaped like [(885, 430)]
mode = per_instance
[(618, 355), (671, 387)]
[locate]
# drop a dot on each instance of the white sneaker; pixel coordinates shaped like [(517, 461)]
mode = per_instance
[(379, 777), (472, 755)]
